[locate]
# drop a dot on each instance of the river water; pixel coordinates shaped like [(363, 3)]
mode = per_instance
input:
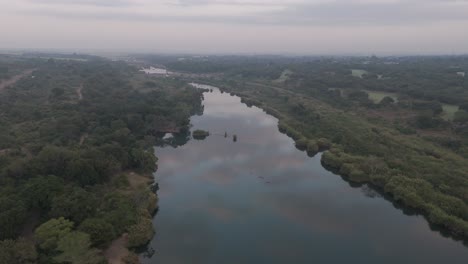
[(260, 200)]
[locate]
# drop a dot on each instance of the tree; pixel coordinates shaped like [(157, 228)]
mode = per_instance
[(83, 172), (75, 204), (461, 116), (51, 232), (56, 92), (100, 231), (13, 213), (75, 248), (387, 100), (20, 251), (39, 191), (52, 160), (143, 161), (140, 233)]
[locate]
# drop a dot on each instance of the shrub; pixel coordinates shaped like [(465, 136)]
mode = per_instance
[(323, 144), (140, 233), (302, 143), (100, 231), (200, 134), (312, 148)]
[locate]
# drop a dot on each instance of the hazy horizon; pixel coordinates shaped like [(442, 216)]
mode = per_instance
[(288, 27)]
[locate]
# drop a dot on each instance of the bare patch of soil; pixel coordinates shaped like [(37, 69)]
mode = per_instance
[(117, 250), (4, 84)]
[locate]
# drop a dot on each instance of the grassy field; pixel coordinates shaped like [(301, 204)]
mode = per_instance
[(449, 111), (377, 96), (284, 76), (358, 73)]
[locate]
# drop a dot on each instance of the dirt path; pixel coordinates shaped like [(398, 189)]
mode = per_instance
[(4, 84), (78, 91), (117, 250)]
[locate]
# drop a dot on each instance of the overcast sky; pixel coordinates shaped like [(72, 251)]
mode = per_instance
[(238, 26)]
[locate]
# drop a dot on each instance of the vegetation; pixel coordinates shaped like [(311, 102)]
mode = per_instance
[(200, 134), (76, 155)]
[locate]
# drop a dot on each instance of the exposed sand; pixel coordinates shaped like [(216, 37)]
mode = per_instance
[(117, 250)]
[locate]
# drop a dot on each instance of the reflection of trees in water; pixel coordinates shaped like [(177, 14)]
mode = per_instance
[(177, 139), (149, 252), (199, 110), (369, 192)]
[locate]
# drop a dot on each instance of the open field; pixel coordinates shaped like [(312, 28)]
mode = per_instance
[(377, 96), (449, 111), (284, 76), (358, 73)]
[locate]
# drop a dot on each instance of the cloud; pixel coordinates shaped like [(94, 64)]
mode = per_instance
[(274, 12), (84, 2), (374, 12), (328, 26)]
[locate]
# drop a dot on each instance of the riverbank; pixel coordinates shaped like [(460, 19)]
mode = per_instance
[(121, 250)]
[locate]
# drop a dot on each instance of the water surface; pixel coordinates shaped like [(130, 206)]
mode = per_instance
[(153, 70), (260, 200)]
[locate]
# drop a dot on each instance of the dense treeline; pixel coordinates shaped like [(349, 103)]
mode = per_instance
[(70, 136), (400, 143)]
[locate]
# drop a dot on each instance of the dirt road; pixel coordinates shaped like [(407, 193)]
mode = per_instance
[(5, 83)]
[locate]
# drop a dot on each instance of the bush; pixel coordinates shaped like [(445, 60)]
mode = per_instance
[(51, 232), (200, 134), (312, 148), (302, 143), (140, 233), (100, 231), (19, 251), (323, 144), (332, 160)]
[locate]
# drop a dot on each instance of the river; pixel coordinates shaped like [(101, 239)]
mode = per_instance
[(260, 200)]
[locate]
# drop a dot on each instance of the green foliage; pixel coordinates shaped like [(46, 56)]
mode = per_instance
[(323, 143), (59, 152), (13, 213), (386, 101), (51, 232), (302, 143), (142, 161), (200, 134), (75, 248), (140, 233), (312, 147), (99, 230), (461, 116), (75, 204), (118, 210), (426, 121), (39, 192), (52, 160), (20, 251)]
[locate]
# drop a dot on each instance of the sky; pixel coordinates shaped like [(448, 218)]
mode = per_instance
[(307, 27)]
